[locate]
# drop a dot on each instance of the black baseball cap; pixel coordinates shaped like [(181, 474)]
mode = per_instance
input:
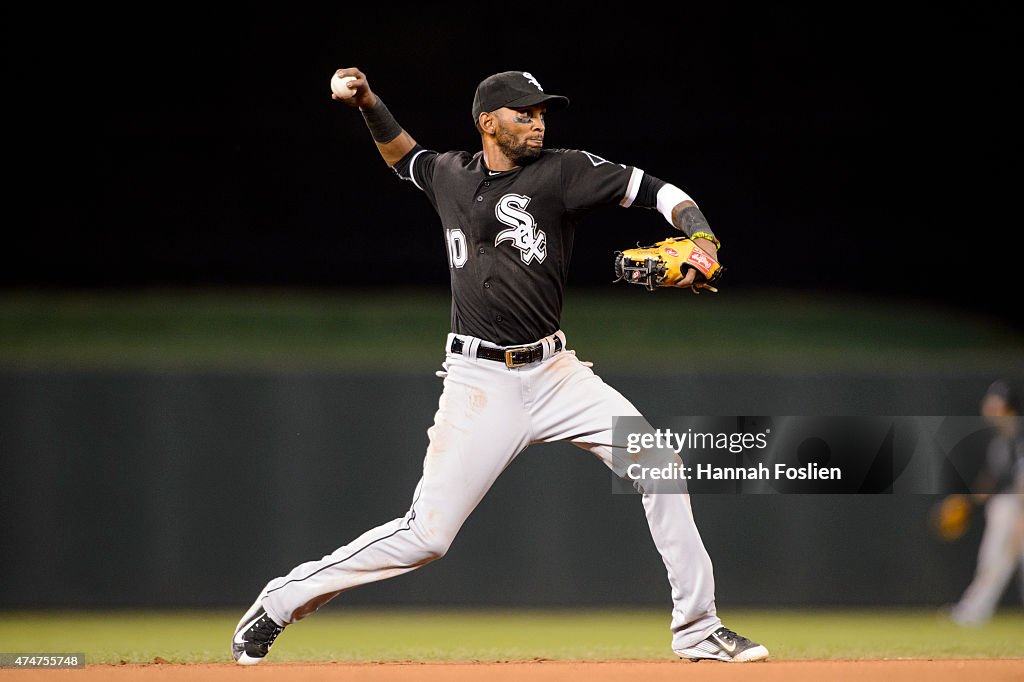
[(513, 89)]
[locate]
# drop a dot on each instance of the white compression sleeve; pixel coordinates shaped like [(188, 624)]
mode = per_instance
[(669, 197)]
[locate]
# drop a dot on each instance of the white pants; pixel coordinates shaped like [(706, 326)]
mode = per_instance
[(1001, 551), (488, 414)]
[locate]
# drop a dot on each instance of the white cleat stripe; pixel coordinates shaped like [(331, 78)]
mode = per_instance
[(238, 633)]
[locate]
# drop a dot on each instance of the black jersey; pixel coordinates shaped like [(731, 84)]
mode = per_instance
[(509, 234)]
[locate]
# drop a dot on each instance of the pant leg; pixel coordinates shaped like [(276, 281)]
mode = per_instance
[(477, 432), (998, 555), (1019, 543), (577, 405)]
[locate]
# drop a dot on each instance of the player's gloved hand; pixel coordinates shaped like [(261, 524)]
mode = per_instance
[(692, 279), (674, 262), (951, 517)]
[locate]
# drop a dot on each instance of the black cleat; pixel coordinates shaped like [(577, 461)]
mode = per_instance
[(254, 636), (724, 645)]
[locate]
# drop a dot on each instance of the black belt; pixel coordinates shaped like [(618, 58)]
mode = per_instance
[(512, 356)]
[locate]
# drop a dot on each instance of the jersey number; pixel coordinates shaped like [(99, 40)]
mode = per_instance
[(458, 254)]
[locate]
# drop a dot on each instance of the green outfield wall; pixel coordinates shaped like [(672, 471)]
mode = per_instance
[(128, 487)]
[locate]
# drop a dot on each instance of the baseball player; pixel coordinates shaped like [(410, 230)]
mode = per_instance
[(1000, 487), (508, 216)]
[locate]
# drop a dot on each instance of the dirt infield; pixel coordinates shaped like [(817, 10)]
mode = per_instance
[(550, 671)]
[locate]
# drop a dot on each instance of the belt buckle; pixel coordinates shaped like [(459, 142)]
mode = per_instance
[(510, 361)]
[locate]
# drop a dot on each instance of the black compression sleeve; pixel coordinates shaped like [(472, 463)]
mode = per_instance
[(647, 195), (383, 126)]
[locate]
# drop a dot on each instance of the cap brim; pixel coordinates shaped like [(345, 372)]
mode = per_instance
[(553, 102)]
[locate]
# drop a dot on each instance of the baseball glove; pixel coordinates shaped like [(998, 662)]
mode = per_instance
[(951, 517), (665, 264)]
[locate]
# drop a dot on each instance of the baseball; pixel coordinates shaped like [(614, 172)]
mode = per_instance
[(339, 85)]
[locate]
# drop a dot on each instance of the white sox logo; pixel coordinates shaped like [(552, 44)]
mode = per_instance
[(523, 233), (530, 79)]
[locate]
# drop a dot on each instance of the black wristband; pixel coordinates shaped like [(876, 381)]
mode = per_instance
[(383, 126)]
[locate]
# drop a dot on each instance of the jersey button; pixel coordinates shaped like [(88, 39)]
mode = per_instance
[(499, 318), (487, 285), (480, 198), (487, 184), (481, 249)]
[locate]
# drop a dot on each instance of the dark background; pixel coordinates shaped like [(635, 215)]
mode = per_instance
[(859, 148)]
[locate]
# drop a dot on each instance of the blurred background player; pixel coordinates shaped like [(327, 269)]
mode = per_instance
[(1000, 488)]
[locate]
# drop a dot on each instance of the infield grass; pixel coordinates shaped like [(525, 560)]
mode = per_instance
[(360, 634), (374, 330)]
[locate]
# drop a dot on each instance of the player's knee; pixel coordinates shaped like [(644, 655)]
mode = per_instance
[(435, 547), (432, 542)]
